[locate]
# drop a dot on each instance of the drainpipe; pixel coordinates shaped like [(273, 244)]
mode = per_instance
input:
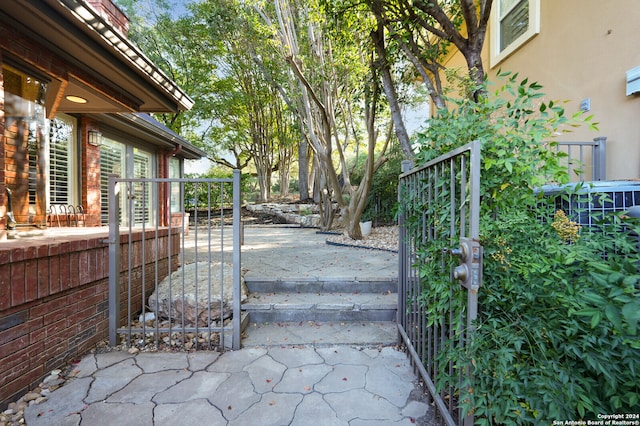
[(11, 221)]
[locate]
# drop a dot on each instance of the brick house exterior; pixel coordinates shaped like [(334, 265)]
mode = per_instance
[(75, 96)]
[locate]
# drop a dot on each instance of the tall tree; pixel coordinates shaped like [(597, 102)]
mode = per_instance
[(336, 98)]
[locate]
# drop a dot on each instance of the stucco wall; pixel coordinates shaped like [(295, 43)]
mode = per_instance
[(583, 50)]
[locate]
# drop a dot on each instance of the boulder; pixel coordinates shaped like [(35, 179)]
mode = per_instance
[(201, 295)]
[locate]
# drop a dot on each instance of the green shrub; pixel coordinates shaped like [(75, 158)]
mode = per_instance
[(382, 202), (215, 195), (559, 308)]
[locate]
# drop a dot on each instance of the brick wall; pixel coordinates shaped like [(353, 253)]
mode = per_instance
[(54, 302)]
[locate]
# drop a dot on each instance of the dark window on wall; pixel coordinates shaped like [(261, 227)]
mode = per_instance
[(514, 21)]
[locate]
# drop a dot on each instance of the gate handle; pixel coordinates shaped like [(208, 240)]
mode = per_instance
[(461, 252)]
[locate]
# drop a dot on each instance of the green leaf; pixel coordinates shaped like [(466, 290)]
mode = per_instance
[(613, 315)]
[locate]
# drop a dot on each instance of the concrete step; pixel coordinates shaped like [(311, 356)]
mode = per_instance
[(337, 307), (319, 334), (322, 285)]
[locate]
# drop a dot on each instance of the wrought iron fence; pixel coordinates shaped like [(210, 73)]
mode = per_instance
[(579, 154), (440, 273), (170, 285)]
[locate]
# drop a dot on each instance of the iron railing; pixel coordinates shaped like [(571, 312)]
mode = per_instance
[(578, 154), (136, 269), (439, 221)]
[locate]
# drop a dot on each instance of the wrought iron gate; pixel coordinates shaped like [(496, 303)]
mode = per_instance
[(440, 274), (148, 248)]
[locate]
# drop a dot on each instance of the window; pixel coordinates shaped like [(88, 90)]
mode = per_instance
[(174, 172), (112, 161), (25, 131), (513, 22), (61, 160), (130, 162)]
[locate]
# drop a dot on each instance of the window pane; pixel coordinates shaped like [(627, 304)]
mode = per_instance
[(174, 172), (25, 140), (61, 140), (142, 192), (514, 24), (111, 162)]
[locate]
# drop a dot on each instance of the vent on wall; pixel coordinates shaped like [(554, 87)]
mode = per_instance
[(633, 81)]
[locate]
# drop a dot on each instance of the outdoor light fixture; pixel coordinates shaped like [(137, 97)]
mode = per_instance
[(76, 99), (95, 138)]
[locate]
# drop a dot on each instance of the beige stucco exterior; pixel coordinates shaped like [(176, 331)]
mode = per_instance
[(583, 50)]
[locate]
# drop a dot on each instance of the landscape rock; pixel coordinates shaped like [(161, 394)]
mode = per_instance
[(202, 293)]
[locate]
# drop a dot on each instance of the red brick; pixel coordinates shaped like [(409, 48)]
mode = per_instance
[(54, 274), (17, 254), (55, 328), (65, 272), (13, 333), (57, 315), (54, 249), (86, 292), (55, 345), (17, 365), (5, 256), (44, 276), (74, 273), (43, 251), (12, 347), (31, 281), (17, 284), (83, 267), (81, 316), (45, 307), (65, 247), (30, 252), (5, 286)]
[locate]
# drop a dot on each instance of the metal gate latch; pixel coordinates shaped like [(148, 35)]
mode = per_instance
[(469, 271)]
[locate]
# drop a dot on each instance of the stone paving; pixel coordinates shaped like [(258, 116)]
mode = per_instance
[(300, 384), (255, 386)]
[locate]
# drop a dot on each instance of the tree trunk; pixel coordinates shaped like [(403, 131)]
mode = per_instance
[(389, 89), (303, 169)]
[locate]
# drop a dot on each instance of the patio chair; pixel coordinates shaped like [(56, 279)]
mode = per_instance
[(72, 215), (80, 216), (54, 214)]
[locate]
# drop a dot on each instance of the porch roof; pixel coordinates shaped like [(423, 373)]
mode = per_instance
[(76, 32), (144, 127)]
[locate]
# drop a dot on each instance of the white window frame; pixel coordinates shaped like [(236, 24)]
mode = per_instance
[(533, 29), (72, 164), (129, 154)]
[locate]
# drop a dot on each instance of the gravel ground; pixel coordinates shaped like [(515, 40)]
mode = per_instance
[(382, 238)]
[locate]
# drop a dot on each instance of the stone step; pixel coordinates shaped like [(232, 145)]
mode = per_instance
[(320, 285), (319, 334), (340, 307)]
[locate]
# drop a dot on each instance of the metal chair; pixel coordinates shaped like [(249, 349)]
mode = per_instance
[(80, 215)]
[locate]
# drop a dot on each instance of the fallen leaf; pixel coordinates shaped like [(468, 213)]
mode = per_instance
[(307, 388), (268, 380), (272, 403), (229, 408), (344, 379)]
